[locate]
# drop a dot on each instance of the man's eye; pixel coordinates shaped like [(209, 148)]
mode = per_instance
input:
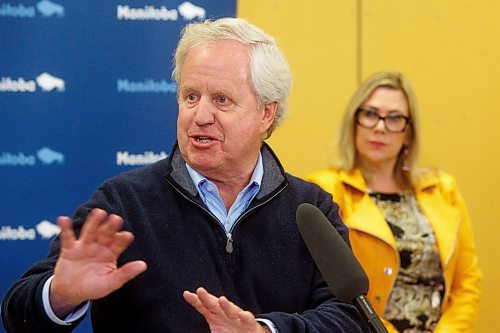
[(222, 99), (191, 97)]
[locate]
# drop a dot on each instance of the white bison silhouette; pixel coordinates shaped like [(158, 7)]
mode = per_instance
[(190, 11), (49, 156), (49, 82), (47, 229), (49, 8)]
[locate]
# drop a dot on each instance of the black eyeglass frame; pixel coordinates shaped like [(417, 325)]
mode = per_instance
[(359, 110)]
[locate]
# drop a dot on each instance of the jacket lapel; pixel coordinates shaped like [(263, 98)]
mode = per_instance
[(366, 217), (444, 218)]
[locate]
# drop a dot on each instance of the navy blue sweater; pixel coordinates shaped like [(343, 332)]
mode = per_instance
[(263, 265)]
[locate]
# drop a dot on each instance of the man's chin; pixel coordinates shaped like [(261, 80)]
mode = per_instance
[(202, 164)]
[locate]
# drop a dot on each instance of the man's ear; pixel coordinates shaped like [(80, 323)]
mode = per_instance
[(268, 115)]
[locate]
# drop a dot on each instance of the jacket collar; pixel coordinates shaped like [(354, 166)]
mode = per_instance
[(444, 219), (274, 174), (426, 178), (354, 179), (365, 209)]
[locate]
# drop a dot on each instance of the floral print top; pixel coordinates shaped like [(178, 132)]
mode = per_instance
[(414, 305)]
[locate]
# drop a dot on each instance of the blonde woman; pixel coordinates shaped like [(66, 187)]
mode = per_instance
[(409, 227)]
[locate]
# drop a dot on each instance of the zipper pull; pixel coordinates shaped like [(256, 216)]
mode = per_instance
[(229, 244)]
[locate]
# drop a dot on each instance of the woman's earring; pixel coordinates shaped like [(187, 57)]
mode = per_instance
[(405, 166)]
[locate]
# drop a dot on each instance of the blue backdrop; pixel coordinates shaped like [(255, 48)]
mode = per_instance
[(85, 93)]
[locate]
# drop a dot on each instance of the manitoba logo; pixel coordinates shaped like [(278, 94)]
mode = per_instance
[(146, 158), (145, 86), (20, 233), (151, 13), (16, 10), (46, 81), (46, 8), (8, 84), (45, 155), (45, 229)]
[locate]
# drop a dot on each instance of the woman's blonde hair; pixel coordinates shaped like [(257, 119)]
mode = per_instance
[(347, 145)]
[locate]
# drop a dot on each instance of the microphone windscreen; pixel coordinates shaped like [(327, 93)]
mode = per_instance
[(335, 260)]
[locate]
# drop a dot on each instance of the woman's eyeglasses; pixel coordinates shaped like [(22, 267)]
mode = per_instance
[(395, 123)]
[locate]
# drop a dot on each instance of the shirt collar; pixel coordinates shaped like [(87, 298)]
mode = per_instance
[(256, 178)]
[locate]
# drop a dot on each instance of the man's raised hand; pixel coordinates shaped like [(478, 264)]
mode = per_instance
[(87, 267)]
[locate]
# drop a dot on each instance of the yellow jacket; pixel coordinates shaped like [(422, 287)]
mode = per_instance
[(374, 245)]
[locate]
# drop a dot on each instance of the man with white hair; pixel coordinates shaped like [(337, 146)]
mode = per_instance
[(209, 230)]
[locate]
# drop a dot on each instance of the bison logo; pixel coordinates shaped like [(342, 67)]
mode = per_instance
[(190, 11), (48, 8), (49, 156), (47, 230), (49, 82)]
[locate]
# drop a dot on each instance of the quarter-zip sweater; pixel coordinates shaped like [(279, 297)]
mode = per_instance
[(264, 268)]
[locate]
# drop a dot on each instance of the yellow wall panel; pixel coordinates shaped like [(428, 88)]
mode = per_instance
[(320, 44), (450, 50)]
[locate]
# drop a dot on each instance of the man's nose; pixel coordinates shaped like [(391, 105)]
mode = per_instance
[(205, 112)]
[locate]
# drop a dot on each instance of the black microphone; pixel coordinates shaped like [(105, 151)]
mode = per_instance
[(336, 262)]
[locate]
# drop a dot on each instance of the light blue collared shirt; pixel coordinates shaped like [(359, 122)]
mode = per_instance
[(211, 198)]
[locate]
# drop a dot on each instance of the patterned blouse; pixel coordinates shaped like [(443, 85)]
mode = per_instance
[(414, 305)]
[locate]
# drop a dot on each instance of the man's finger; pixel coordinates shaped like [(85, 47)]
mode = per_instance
[(92, 222), (195, 302), (128, 272), (210, 301), (247, 318), (67, 235), (105, 231), (192, 299), (230, 309), (121, 241)]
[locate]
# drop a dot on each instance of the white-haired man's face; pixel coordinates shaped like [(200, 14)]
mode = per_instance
[(220, 126)]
